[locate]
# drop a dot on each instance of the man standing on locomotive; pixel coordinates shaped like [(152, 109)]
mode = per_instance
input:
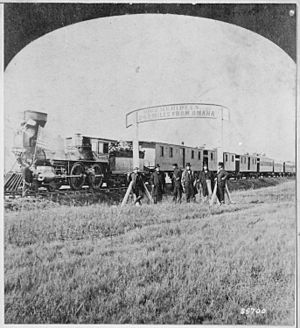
[(137, 185), (157, 181), (221, 178), (187, 182), (177, 188)]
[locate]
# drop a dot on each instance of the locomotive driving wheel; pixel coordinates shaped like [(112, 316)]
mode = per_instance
[(98, 177), (77, 180)]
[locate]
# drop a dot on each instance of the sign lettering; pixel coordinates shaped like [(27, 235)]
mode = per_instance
[(174, 111)]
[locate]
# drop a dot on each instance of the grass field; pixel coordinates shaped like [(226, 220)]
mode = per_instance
[(168, 263)]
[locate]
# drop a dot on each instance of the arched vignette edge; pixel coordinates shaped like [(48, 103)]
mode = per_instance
[(26, 22)]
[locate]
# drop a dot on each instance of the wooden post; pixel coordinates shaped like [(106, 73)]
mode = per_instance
[(220, 137), (228, 194), (135, 145), (128, 191), (148, 194), (214, 195), (127, 194)]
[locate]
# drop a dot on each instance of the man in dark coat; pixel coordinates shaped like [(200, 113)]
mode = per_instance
[(29, 182), (137, 185), (177, 188), (187, 181), (206, 177), (157, 181), (221, 178)]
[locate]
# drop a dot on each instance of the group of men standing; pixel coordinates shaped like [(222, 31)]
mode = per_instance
[(189, 183), (182, 181)]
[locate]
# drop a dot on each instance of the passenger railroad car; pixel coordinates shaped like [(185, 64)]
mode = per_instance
[(166, 155), (266, 165)]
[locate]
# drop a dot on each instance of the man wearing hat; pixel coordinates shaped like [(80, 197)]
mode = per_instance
[(206, 179), (176, 179), (221, 178), (137, 185), (157, 181), (187, 182)]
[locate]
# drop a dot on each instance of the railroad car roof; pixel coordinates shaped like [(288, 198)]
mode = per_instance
[(265, 158), (172, 144), (92, 137)]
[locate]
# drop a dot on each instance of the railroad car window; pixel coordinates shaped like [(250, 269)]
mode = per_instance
[(211, 156), (171, 152), (192, 155), (232, 158), (199, 155), (161, 151), (105, 148), (226, 158)]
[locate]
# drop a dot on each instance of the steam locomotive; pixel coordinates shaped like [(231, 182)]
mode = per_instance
[(88, 161)]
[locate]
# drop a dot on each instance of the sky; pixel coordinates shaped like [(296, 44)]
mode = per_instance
[(87, 76)]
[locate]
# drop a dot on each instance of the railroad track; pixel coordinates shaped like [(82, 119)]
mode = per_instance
[(14, 189), (70, 192)]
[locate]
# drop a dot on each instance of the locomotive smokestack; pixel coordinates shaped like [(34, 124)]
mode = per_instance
[(39, 117), (33, 120)]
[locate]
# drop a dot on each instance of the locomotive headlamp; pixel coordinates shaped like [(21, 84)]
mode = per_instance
[(40, 177), (45, 173)]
